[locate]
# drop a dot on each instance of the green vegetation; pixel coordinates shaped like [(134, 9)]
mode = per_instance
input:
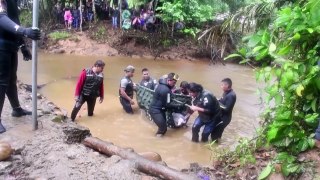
[(26, 18), (101, 34), (59, 35), (288, 52), (189, 12)]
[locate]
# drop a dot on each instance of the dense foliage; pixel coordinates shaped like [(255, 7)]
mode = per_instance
[(288, 51), (189, 12)]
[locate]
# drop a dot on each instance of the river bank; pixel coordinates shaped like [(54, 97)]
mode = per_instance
[(44, 153), (116, 42)]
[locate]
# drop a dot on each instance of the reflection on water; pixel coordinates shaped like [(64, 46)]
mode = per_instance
[(110, 123)]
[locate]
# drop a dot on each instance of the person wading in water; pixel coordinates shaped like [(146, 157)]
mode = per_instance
[(161, 102), (126, 90), (209, 111), (227, 102), (89, 87)]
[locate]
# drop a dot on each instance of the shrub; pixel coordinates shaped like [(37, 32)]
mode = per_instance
[(59, 35)]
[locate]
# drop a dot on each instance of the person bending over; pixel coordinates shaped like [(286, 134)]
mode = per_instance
[(161, 102), (208, 109)]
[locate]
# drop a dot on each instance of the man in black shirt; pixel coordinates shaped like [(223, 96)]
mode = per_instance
[(11, 39), (227, 102), (209, 111), (161, 102)]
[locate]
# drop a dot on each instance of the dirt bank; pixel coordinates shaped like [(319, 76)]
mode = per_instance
[(120, 43), (80, 44)]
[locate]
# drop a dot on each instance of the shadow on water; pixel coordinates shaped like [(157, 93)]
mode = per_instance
[(57, 77)]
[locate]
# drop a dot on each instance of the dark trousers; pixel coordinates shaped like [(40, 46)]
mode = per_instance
[(126, 105), (317, 134), (8, 78), (219, 128), (91, 102), (208, 127), (160, 120), (76, 22)]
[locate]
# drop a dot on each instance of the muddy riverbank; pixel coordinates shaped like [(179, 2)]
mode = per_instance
[(120, 43), (43, 154)]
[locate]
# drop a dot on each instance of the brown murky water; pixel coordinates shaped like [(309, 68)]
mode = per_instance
[(110, 123)]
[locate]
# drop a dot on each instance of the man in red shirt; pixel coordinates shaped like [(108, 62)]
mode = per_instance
[(89, 87)]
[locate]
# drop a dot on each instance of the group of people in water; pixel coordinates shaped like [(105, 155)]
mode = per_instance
[(214, 114)]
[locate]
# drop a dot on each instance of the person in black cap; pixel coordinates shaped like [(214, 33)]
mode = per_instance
[(126, 90), (162, 101), (89, 87), (208, 109), (11, 39)]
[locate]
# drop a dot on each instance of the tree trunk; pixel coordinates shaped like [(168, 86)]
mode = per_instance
[(120, 12), (81, 18), (95, 17), (143, 165)]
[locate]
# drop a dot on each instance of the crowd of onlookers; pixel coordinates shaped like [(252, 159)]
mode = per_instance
[(70, 16), (140, 18)]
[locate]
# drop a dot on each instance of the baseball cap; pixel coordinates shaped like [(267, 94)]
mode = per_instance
[(173, 76), (129, 68)]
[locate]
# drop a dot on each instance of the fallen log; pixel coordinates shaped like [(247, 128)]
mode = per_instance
[(143, 165)]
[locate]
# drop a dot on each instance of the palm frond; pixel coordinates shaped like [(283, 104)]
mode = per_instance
[(251, 17)]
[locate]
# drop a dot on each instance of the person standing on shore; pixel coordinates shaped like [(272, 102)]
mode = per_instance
[(126, 90), (11, 39), (115, 15), (89, 87)]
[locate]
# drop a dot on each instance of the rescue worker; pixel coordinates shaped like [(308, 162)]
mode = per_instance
[(227, 102), (161, 102), (11, 39), (183, 90), (89, 87), (209, 111), (147, 81), (126, 90)]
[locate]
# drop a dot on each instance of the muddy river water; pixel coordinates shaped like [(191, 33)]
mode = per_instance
[(110, 123)]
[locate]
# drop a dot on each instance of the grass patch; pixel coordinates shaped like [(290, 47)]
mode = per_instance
[(59, 35), (25, 18)]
